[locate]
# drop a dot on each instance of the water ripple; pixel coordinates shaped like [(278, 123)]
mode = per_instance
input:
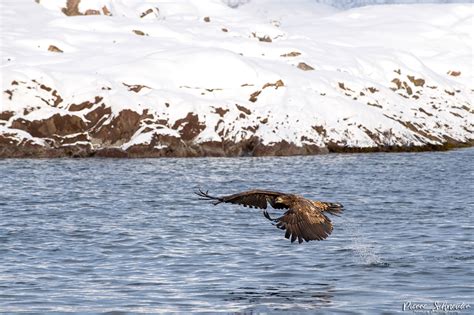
[(119, 236)]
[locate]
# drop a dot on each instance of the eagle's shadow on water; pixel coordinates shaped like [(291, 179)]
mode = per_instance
[(283, 297)]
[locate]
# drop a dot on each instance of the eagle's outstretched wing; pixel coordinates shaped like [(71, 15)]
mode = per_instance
[(305, 221), (252, 198)]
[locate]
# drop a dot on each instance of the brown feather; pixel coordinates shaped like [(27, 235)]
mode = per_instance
[(253, 198), (305, 221)]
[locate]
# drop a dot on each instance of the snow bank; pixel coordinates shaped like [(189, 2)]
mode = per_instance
[(187, 78)]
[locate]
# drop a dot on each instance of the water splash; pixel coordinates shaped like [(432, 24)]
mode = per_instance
[(365, 250)]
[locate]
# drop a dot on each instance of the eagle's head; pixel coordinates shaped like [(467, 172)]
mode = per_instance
[(283, 199)]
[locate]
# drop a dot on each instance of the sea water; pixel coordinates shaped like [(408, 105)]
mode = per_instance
[(129, 235)]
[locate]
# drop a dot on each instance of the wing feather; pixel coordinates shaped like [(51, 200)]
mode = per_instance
[(305, 222), (252, 198)]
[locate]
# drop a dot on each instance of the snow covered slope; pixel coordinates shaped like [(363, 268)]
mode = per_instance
[(198, 78)]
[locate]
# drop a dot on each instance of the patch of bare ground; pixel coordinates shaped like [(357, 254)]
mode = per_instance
[(291, 54), (121, 128), (54, 125), (189, 127), (454, 73), (53, 48), (254, 96), (6, 115), (149, 11), (72, 9), (135, 87), (304, 66)]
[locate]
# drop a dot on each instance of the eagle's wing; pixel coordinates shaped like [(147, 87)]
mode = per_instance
[(252, 198), (304, 221)]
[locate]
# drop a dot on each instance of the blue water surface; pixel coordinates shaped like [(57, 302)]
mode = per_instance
[(129, 235)]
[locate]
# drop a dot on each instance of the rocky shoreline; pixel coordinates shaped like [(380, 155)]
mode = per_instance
[(93, 128), (249, 148)]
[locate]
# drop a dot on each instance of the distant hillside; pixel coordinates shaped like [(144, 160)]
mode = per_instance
[(189, 78)]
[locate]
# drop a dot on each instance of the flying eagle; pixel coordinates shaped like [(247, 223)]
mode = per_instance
[(304, 220)]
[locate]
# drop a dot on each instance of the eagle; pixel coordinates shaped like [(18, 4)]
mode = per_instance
[(304, 219)]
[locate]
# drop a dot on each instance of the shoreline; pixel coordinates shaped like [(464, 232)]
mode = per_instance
[(85, 151)]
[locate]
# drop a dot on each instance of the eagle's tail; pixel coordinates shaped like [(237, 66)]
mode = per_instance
[(333, 208)]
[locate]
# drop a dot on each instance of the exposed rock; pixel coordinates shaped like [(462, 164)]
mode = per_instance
[(454, 73), (57, 98), (6, 115), (416, 82), (86, 104), (71, 139), (342, 86), (106, 11), (99, 114), (207, 19), (277, 84), (120, 128), (243, 109), (46, 88), (254, 95), (320, 130), (189, 127), (283, 148), (9, 93), (135, 87), (150, 11), (291, 54), (11, 147), (138, 32), (398, 83), (111, 153), (53, 48), (92, 12), (212, 148), (407, 88), (72, 8), (264, 38), (304, 66), (54, 125), (220, 111), (449, 92), (374, 104)]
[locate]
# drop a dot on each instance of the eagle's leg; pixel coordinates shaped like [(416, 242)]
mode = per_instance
[(267, 215)]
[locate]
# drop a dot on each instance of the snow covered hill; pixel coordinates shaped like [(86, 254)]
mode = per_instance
[(200, 78)]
